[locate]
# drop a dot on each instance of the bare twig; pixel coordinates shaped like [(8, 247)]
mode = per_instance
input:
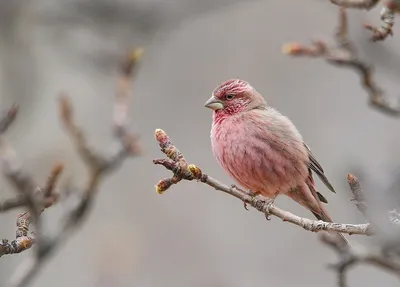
[(24, 240), (387, 15), (98, 165), (349, 257), (358, 196), (26, 189), (182, 171), (359, 201), (345, 54), (386, 28), (11, 203)]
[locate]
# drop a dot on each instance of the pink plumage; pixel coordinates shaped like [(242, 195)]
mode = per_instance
[(261, 149)]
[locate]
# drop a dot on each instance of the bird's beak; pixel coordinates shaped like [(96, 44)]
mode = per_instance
[(214, 104)]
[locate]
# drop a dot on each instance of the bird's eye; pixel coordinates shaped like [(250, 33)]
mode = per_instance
[(229, 97)]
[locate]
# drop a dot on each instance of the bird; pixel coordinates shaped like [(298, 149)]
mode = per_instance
[(262, 150)]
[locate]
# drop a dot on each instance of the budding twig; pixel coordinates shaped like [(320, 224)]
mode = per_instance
[(387, 22), (358, 196), (47, 197), (344, 54), (183, 171), (98, 165), (349, 257)]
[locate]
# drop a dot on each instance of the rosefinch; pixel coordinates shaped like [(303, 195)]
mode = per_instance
[(262, 149)]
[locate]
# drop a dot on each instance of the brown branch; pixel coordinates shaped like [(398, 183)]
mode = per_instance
[(11, 203), (183, 171), (358, 196), (387, 15), (8, 119), (344, 54), (24, 185), (349, 257), (45, 198), (387, 21), (98, 165), (50, 186), (359, 201), (24, 240)]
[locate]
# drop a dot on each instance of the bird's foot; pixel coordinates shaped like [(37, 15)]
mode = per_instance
[(267, 206), (250, 193), (245, 205), (253, 196)]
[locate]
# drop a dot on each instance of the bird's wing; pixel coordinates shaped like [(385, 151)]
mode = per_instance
[(317, 168)]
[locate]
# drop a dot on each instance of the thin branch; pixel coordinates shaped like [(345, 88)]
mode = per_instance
[(23, 239), (50, 186), (183, 171), (349, 257), (387, 22), (8, 119), (98, 165), (344, 54), (25, 187), (358, 196), (12, 203)]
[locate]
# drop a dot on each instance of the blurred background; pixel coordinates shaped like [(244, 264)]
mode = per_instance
[(191, 235)]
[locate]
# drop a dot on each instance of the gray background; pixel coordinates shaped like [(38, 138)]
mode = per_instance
[(191, 235)]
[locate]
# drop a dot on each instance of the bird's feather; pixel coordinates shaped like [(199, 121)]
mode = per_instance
[(317, 168)]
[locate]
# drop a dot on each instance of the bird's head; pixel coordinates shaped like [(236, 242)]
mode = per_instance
[(234, 96)]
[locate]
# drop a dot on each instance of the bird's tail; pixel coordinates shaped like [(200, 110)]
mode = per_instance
[(307, 196), (324, 216)]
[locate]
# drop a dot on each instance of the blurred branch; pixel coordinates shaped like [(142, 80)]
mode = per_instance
[(23, 240), (358, 196), (387, 22), (11, 203), (97, 164), (387, 15), (183, 171), (25, 187), (344, 54), (348, 257)]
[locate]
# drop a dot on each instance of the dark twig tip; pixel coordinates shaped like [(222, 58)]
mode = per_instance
[(132, 59), (65, 108)]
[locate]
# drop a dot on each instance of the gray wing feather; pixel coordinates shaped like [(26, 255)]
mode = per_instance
[(317, 168)]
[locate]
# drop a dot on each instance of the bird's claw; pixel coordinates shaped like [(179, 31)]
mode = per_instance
[(268, 205), (245, 205), (234, 186)]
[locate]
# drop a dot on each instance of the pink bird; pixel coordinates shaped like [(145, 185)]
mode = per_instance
[(262, 150)]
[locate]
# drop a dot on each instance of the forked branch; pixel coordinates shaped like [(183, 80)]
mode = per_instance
[(36, 199), (344, 54)]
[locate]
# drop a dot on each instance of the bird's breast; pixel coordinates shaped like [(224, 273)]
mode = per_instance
[(259, 157)]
